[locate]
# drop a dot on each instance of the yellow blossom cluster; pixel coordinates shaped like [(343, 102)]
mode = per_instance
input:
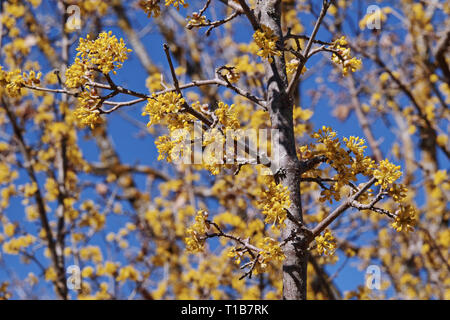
[(151, 7), (195, 241), (128, 273), (166, 146), (341, 160), (91, 253), (232, 74), (397, 192), (344, 57), (326, 243), (386, 173), (405, 218), (153, 82), (266, 40), (271, 252), (227, 115), (236, 254), (9, 229), (108, 268), (90, 6), (15, 245), (86, 117), (160, 105), (176, 3), (292, 65), (274, 202), (12, 81), (106, 54), (348, 167)]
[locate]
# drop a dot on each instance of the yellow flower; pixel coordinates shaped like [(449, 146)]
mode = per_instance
[(176, 3), (267, 43), (50, 274), (9, 229), (271, 251), (151, 7), (274, 203), (344, 57), (15, 245), (405, 219), (292, 66), (30, 189), (106, 53), (398, 192), (237, 255), (355, 145), (87, 272), (195, 241), (86, 117), (128, 273), (326, 244), (13, 81), (386, 173), (227, 116), (166, 146), (440, 177), (232, 74), (158, 106)]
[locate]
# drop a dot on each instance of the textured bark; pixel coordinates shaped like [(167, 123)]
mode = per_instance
[(280, 107)]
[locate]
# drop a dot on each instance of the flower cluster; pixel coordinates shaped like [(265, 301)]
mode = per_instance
[(405, 218), (151, 7), (90, 6), (13, 82), (176, 3), (14, 246), (341, 160), (105, 54), (397, 192), (355, 145), (344, 57), (86, 113), (231, 74), (236, 254), (271, 252), (158, 106), (274, 202), (195, 241), (330, 146), (227, 116), (267, 43), (128, 273), (326, 243), (386, 173), (292, 66), (213, 157), (170, 148)]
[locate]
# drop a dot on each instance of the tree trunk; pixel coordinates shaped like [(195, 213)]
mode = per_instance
[(280, 107)]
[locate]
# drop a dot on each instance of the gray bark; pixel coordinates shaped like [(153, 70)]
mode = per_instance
[(280, 107)]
